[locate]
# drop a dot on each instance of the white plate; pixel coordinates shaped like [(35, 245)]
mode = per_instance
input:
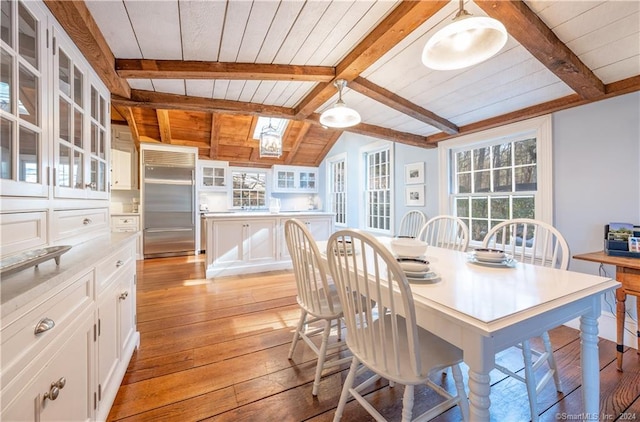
[(506, 263), (429, 277), (414, 266), (491, 258)]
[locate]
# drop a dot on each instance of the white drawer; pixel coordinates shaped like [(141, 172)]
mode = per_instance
[(67, 223), (20, 344), (22, 231), (125, 223), (114, 264)]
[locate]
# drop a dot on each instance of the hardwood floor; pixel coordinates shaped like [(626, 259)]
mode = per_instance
[(217, 350)]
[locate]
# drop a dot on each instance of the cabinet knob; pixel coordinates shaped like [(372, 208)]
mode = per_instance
[(45, 324), (119, 263), (123, 295), (54, 390), (86, 221)]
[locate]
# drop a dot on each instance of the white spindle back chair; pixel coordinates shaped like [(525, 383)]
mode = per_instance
[(446, 231), (411, 224)]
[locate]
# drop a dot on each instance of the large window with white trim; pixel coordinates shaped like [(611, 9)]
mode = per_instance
[(378, 189), (337, 188), (249, 189), (501, 175)]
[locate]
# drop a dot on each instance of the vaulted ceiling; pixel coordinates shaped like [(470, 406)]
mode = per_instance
[(199, 73)]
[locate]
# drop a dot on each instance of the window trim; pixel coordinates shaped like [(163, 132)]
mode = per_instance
[(539, 127), (362, 172), (342, 157), (267, 190)]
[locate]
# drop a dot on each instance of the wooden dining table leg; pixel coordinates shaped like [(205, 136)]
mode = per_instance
[(621, 298)]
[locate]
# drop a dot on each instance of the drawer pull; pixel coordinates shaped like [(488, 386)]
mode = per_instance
[(54, 391), (45, 324), (86, 221), (119, 263), (124, 295)]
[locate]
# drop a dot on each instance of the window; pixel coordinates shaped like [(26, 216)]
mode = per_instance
[(249, 189), (337, 188), (499, 175), (378, 189)]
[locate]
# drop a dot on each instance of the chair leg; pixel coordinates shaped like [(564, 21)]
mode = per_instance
[(407, 403), (551, 361), (296, 334), (530, 380), (322, 354), (462, 394), (348, 384)]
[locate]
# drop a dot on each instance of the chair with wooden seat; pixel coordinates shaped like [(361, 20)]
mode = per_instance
[(446, 231), (411, 224), (538, 243), (316, 296), (382, 333)]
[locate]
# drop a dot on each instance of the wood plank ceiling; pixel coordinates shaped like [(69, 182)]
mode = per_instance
[(200, 73)]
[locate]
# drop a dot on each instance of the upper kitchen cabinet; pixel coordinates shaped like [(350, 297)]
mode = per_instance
[(124, 159), (53, 110), (295, 179), (212, 175), (80, 116), (24, 61)]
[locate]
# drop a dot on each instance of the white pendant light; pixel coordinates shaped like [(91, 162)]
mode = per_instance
[(466, 41), (339, 115), (270, 142)]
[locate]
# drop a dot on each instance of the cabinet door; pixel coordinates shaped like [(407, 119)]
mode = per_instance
[(259, 241), (307, 180), (71, 363), (121, 170), (212, 175), (24, 159), (320, 227), (127, 308), (285, 180), (228, 242), (107, 335)]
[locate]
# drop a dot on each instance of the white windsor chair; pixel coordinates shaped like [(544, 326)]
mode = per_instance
[(411, 224), (446, 231)]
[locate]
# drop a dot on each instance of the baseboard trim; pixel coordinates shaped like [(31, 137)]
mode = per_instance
[(607, 328)]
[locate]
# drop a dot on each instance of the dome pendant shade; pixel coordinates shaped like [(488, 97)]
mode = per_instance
[(466, 41), (339, 115)]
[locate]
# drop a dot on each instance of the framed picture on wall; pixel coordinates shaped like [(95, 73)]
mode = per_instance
[(414, 196), (414, 173)]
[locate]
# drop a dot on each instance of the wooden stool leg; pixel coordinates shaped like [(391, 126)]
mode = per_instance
[(621, 297)]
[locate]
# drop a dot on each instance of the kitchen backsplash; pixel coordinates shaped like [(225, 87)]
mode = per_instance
[(123, 200)]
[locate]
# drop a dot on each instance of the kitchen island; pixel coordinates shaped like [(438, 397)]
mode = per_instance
[(253, 241)]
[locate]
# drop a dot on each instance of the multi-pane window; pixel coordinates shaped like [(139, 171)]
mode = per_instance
[(378, 189), (338, 190), (249, 189), (493, 183)]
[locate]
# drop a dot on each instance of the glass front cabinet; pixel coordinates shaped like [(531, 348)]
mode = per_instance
[(212, 175), (295, 179)]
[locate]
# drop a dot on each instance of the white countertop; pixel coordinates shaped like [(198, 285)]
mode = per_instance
[(19, 288), (231, 214)]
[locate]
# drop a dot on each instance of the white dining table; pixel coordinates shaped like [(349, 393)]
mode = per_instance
[(485, 309)]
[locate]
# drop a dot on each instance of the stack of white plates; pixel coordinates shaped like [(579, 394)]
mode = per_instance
[(344, 247), (416, 269)]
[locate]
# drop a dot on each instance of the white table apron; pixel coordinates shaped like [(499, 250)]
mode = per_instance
[(483, 310)]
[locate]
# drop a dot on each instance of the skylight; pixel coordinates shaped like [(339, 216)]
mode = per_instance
[(279, 124)]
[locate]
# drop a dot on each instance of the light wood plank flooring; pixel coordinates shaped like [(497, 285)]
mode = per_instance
[(216, 349)]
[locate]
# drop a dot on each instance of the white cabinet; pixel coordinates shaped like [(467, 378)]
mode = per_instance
[(242, 242), (212, 175), (124, 159), (295, 179), (320, 228), (128, 223)]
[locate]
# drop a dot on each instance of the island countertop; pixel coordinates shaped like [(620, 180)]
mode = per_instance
[(265, 213)]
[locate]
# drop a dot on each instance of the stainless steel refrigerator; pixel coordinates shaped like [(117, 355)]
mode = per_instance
[(168, 205)]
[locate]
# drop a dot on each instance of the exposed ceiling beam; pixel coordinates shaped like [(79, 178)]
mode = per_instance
[(164, 125), (403, 20), (534, 35), (75, 18), (614, 89), (297, 142), (402, 105), (190, 69), (150, 99), (131, 122)]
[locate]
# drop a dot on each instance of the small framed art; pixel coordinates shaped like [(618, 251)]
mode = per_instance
[(414, 173), (414, 196)]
